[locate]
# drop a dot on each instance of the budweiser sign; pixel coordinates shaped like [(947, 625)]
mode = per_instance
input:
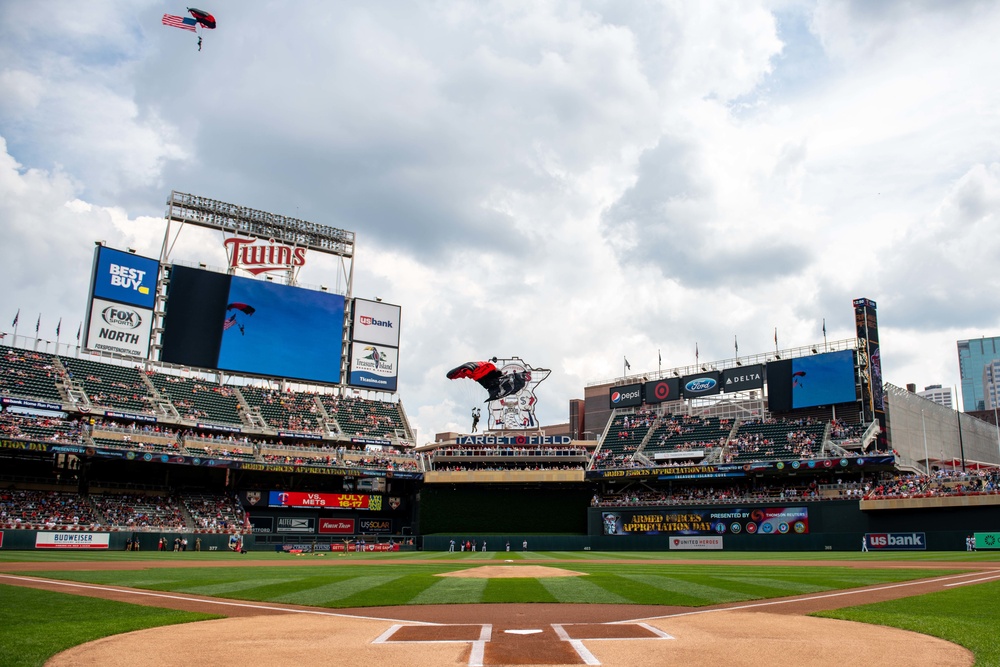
[(257, 256)]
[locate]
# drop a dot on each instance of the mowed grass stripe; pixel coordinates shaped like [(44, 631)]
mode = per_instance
[(681, 591), (224, 587), (785, 586), (516, 590), (581, 590), (323, 595), (399, 591), (452, 590)]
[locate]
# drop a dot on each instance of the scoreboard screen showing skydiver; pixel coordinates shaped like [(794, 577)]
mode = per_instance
[(216, 320)]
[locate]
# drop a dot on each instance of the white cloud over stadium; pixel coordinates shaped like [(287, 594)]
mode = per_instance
[(572, 183)]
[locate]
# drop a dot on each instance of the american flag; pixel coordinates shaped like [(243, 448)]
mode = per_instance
[(230, 321), (180, 22)]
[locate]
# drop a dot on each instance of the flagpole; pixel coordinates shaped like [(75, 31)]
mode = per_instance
[(825, 346), (17, 318)]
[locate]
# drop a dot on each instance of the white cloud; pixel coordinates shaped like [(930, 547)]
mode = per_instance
[(567, 182)]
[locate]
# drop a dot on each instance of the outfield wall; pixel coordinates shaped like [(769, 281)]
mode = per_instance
[(78, 540), (836, 525)]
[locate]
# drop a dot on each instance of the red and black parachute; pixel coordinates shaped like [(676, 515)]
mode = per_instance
[(231, 319), (204, 19), (496, 383)]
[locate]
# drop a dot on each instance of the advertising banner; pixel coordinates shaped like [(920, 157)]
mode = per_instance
[(336, 526), (897, 541), (626, 396), (376, 322), (68, 540), (656, 521), (339, 547), (125, 278), (743, 378), (356, 501), (375, 525), (25, 403), (699, 543), (287, 524), (373, 367), (702, 384), (987, 540), (119, 329), (262, 524), (662, 391)]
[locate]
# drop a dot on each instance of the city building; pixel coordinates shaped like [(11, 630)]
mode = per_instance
[(938, 394), (973, 358)]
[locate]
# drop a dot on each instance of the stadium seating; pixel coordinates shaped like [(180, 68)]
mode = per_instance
[(284, 411), (135, 511), (29, 508), (197, 399), (364, 418), (770, 440), (624, 436), (681, 434), (116, 387), (29, 374)]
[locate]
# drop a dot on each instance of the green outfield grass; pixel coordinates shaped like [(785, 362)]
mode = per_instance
[(35, 625), (334, 582), (55, 555), (409, 578), (966, 615)]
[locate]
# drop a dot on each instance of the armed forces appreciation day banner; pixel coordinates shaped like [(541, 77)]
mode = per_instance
[(761, 520)]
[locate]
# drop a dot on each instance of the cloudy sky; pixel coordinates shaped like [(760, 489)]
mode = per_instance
[(569, 182)]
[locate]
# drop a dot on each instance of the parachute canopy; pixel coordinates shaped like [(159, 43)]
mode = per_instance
[(496, 383), (231, 320), (204, 19)]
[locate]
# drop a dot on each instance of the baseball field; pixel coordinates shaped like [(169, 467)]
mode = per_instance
[(544, 608)]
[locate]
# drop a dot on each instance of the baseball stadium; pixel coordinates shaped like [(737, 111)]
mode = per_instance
[(221, 470)]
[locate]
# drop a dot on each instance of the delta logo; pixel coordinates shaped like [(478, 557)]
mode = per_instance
[(369, 321)]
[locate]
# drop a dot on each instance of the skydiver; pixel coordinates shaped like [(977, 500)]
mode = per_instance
[(475, 418), (242, 330), (199, 42)]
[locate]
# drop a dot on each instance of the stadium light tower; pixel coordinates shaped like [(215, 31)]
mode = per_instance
[(241, 221)]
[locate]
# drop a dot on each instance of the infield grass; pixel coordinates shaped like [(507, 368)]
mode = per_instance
[(343, 583), (38, 624), (35, 625), (966, 615)]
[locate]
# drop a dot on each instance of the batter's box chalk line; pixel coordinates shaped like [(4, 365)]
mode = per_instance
[(564, 631)]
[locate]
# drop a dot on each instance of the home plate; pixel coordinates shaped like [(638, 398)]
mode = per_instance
[(522, 632)]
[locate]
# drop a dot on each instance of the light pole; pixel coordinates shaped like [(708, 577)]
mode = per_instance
[(927, 458)]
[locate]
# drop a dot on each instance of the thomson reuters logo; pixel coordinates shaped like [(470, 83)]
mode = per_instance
[(117, 316)]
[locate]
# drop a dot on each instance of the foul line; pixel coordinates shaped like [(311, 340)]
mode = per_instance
[(973, 581), (225, 603), (824, 596)]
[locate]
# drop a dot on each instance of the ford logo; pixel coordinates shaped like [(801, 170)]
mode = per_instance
[(700, 384)]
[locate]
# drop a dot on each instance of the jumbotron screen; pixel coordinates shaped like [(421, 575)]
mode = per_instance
[(214, 320)]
